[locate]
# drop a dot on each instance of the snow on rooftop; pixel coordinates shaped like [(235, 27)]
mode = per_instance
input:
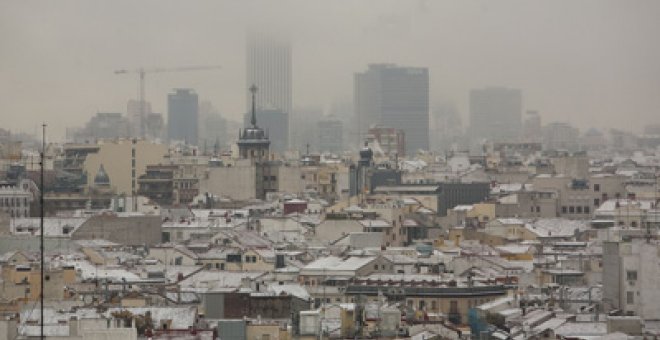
[(181, 317), (212, 280), (333, 263), (377, 223), (88, 271), (53, 226), (290, 289), (512, 221), (556, 227), (610, 206), (503, 301), (581, 329)]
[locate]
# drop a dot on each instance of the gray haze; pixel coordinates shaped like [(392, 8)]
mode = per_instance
[(590, 63)]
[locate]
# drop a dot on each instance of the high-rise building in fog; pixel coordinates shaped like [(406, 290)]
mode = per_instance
[(304, 132), (495, 114), (212, 128), (135, 115), (396, 97), (560, 136), (276, 125), (446, 127), (183, 116), (268, 66), (330, 135), (532, 126)]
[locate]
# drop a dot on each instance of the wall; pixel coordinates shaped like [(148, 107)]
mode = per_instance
[(116, 158), (132, 230), (237, 182)]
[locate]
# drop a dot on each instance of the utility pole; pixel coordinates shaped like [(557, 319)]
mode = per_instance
[(41, 223)]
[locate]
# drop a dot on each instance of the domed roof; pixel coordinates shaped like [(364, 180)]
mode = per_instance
[(101, 177)]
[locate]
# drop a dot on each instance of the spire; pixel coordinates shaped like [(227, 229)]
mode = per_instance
[(253, 89)]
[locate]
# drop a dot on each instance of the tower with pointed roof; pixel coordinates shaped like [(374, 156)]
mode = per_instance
[(253, 142)]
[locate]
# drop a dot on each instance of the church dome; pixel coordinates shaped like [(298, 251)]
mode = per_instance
[(101, 178)]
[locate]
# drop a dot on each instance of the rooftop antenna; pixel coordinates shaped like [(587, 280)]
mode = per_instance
[(41, 224)]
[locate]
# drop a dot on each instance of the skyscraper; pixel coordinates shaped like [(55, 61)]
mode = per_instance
[(495, 113), (183, 116), (268, 67), (396, 97), (330, 135), (276, 125)]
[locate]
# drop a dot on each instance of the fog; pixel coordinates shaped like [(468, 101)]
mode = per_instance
[(590, 63)]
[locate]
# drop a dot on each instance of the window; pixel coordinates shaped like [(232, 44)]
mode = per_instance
[(538, 209), (630, 298), (434, 305), (631, 275), (571, 209), (586, 209), (578, 209), (596, 187), (453, 306), (564, 209)]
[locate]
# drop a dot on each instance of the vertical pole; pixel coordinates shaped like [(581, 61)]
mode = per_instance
[(41, 222), (142, 102)]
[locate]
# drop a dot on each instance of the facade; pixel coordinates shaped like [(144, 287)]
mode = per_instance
[(394, 96), (269, 68), (425, 294), (495, 113), (157, 184), (123, 160), (183, 116), (392, 142), (578, 198), (15, 201), (444, 195), (630, 277), (560, 136), (128, 230)]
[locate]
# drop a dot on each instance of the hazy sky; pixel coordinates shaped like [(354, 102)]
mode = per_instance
[(590, 63)]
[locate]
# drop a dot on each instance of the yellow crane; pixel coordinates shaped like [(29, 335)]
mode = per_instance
[(142, 74)]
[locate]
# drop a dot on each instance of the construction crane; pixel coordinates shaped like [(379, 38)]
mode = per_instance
[(142, 73)]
